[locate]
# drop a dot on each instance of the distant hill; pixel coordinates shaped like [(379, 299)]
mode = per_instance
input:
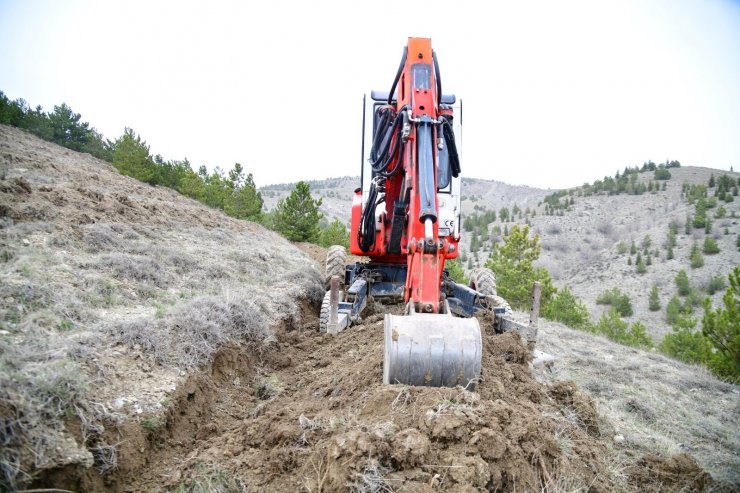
[(579, 247)]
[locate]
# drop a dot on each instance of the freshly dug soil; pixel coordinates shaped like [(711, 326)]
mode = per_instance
[(313, 415)]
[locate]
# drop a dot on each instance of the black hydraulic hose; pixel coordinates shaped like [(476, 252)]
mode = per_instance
[(398, 74), (383, 152), (366, 231), (437, 76), (449, 136)]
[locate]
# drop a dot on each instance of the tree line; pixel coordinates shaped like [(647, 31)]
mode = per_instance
[(296, 217)]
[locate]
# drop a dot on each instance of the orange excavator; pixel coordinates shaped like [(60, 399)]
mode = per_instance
[(406, 220)]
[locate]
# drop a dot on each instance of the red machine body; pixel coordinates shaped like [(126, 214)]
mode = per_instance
[(411, 186)]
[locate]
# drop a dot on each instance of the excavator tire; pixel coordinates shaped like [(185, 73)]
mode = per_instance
[(483, 281), (336, 258), (324, 314)]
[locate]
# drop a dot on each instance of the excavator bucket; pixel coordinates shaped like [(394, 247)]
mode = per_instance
[(432, 350)]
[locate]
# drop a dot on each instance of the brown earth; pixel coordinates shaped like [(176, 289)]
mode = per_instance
[(310, 414)]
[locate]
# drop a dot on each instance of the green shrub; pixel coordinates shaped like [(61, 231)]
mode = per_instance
[(641, 268), (621, 248), (614, 328), (566, 308), (334, 234), (662, 174), (716, 283), (673, 310), (722, 328), (696, 258), (456, 272), (693, 299), (710, 246), (682, 281), (654, 299), (633, 248), (513, 264), (686, 344), (617, 299), (297, 216)]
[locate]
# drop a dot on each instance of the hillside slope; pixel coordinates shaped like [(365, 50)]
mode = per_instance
[(112, 293), (336, 195), (149, 343), (579, 248)]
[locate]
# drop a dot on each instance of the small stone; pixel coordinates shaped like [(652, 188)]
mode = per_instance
[(618, 438), (26, 242)]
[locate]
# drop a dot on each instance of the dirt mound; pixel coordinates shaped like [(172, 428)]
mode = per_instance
[(315, 416), (678, 473)]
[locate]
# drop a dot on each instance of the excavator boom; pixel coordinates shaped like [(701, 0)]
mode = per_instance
[(405, 218)]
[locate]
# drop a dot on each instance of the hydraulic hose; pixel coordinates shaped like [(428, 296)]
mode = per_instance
[(366, 231), (449, 136), (437, 76), (388, 144), (398, 74)]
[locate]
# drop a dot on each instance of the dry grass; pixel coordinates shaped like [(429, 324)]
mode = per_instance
[(655, 403), (106, 279)]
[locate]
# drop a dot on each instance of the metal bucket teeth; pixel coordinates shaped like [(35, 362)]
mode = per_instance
[(431, 350)]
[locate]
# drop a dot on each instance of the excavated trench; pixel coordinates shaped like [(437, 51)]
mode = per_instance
[(310, 414)]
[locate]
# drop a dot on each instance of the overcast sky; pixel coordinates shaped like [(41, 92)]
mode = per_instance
[(555, 93)]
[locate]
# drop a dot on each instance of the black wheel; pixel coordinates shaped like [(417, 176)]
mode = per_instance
[(483, 281), (324, 315), (336, 259)]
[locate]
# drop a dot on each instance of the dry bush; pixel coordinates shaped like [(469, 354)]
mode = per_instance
[(605, 228), (134, 268), (99, 237), (189, 336), (553, 229), (37, 392), (559, 245)]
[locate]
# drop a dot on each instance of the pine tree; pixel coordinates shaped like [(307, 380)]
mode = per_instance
[(334, 234), (513, 264), (682, 281), (710, 246), (696, 258), (722, 328), (297, 216), (641, 269), (131, 157), (673, 310), (243, 201), (654, 300), (633, 248)]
